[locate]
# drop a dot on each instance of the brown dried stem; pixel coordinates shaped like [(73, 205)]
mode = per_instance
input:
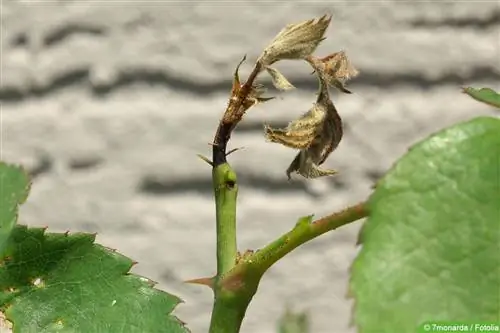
[(232, 116)]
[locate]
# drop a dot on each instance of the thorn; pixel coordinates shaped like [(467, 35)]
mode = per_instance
[(209, 282), (236, 78), (264, 99), (233, 150), (134, 263), (206, 159), (66, 233)]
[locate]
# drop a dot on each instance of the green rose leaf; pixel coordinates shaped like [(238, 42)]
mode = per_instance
[(431, 245), (485, 95), (14, 189), (53, 282)]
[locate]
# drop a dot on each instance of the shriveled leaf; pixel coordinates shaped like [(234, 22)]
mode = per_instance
[(295, 41), (300, 133), (304, 164), (338, 66), (316, 133), (292, 322), (53, 282), (485, 95), (279, 80), (14, 189), (335, 69), (431, 245)]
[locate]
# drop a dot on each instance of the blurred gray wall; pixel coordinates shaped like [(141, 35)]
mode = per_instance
[(107, 103)]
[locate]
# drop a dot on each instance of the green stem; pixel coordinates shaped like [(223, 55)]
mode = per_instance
[(229, 305), (228, 312), (227, 315), (226, 192), (304, 231), (234, 290)]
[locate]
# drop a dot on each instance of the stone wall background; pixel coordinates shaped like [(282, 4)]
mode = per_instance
[(107, 103)]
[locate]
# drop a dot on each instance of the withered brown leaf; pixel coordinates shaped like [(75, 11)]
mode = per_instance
[(279, 80), (300, 133), (317, 133), (296, 41), (336, 69)]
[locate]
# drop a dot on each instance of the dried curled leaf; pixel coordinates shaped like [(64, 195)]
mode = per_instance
[(279, 80), (304, 165), (295, 41), (300, 133), (336, 69), (316, 133)]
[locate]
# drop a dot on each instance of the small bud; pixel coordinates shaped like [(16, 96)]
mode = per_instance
[(255, 94), (295, 41), (245, 256), (279, 80)]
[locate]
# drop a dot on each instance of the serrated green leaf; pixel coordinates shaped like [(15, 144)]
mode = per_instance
[(14, 188), (53, 282), (431, 245), (485, 95)]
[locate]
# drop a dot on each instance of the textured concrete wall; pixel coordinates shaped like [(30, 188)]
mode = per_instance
[(107, 103)]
